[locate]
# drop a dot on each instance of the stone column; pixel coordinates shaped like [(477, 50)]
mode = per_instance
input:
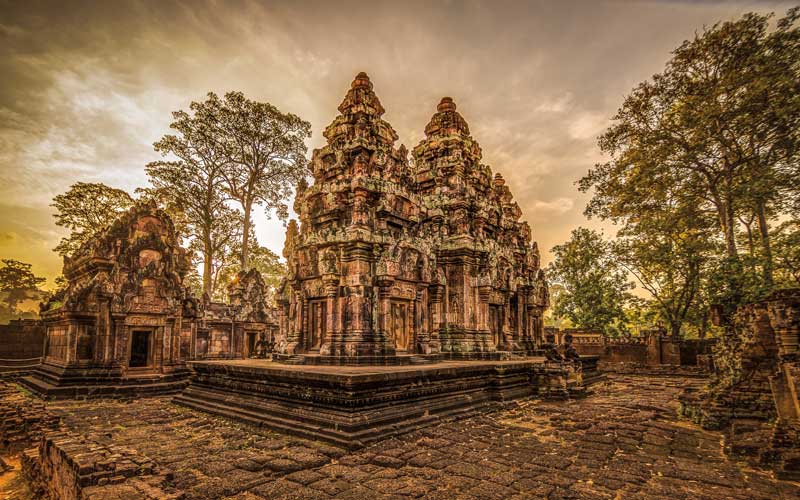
[(384, 283), (294, 322), (484, 290), (331, 284), (103, 350), (436, 293)]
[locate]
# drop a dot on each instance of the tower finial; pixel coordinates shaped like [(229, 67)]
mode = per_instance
[(361, 80), (446, 104)]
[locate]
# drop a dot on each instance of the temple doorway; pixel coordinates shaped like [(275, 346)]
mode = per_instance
[(252, 338), (140, 348), (496, 323), (317, 324), (400, 326)]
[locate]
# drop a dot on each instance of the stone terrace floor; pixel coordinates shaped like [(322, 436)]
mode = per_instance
[(623, 441)]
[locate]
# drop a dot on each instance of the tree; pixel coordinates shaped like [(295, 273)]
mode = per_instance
[(667, 249), (192, 182), (85, 209), (223, 242), (595, 285), (787, 253), (719, 128), (16, 279), (265, 155), (263, 260)]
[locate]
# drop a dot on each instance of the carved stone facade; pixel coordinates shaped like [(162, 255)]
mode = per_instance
[(126, 324), (754, 391), (125, 309), (236, 330), (395, 258)]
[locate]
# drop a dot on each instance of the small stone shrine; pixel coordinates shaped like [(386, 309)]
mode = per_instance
[(123, 322), (126, 325), (234, 330)]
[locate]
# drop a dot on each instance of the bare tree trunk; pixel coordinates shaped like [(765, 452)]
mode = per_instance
[(248, 207), (703, 325), (207, 263), (765, 244), (730, 233)]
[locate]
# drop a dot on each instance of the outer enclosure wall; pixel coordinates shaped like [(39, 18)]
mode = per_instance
[(651, 350), (22, 339)]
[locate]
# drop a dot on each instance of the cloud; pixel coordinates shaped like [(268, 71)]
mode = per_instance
[(88, 87), (556, 206)]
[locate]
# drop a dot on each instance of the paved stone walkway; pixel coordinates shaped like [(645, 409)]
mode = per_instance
[(624, 441)]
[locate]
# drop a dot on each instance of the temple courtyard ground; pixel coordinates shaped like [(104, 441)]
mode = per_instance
[(622, 441)]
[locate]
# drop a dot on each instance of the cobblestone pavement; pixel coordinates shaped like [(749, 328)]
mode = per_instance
[(623, 441)]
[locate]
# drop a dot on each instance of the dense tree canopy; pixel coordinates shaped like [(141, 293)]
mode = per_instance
[(85, 209), (706, 151), (190, 181), (595, 286), (261, 153)]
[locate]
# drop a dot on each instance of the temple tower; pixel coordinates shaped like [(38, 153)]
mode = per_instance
[(356, 270), (390, 259), (495, 292)]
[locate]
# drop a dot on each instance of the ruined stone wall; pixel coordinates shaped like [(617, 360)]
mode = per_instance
[(650, 350), (754, 390), (22, 339)]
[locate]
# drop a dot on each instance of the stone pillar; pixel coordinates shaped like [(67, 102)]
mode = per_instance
[(384, 283), (482, 304), (294, 322), (331, 284), (103, 350), (436, 293)]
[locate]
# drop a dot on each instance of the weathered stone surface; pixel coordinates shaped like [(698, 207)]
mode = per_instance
[(122, 313), (392, 258), (354, 406), (623, 441), (126, 325), (753, 393)]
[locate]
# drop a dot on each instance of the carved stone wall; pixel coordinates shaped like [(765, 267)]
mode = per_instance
[(124, 298)]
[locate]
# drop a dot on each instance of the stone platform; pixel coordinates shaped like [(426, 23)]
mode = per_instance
[(352, 406), (55, 382)]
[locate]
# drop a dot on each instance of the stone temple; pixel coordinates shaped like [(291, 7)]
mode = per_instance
[(414, 294), (395, 263), (393, 259)]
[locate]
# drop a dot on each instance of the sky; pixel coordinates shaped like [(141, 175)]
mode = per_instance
[(87, 87)]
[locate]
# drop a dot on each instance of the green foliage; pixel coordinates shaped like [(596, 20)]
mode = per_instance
[(17, 281), (85, 209), (262, 259), (702, 158), (594, 284), (260, 151), (787, 253), (229, 149)]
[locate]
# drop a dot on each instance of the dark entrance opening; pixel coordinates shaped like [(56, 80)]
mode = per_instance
[(251, 344), (140, 349)]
